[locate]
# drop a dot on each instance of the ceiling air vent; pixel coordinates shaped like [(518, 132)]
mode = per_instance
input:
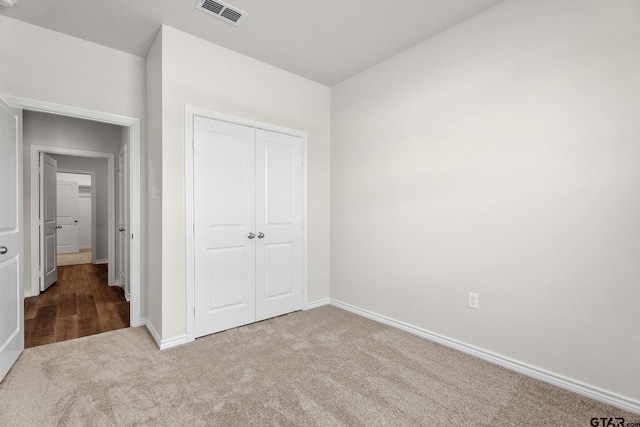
[(222, 10)]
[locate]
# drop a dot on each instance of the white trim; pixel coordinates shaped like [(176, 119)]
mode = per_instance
[(134, 180), (513, 365), (174, 342), (94, 210), (316, 304), (154, 334), (104, 261), (28, 293), (36, 222), (163, 345), (189, 114)]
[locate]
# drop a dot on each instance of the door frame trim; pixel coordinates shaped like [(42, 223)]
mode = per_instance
[(36, 220), (93, 205), (134, 180), (190, 113)]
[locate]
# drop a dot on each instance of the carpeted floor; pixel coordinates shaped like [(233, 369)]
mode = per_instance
[(322, 367), (75, 258)]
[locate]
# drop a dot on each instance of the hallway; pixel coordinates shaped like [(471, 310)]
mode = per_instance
[(80, 303)]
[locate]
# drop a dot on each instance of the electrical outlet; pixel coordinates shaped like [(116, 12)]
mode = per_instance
[(472, 300)]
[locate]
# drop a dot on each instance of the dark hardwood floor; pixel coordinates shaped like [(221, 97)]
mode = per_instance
[(80, 303)]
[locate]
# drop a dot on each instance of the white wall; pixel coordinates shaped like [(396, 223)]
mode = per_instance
[(152, 157), (201, 74), (49, 66), (501, 157), (80, 178)]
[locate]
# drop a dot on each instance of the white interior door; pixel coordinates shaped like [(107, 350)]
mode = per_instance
[(48, 221), (84, 215), (123, 196), (278, 224), (67, 213), (11, 279), (224, 197)]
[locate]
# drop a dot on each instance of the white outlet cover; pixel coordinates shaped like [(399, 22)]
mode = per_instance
[(472, 300)]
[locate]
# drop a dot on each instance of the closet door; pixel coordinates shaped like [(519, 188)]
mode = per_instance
[(224, 199), (278, 224)]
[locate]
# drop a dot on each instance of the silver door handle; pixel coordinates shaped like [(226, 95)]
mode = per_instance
[(260, 235), (3, 250), (58, 226), (251, 236), (120, 229)]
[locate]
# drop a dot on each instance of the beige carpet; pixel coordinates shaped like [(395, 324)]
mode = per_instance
[(323, 367), (82, 257)]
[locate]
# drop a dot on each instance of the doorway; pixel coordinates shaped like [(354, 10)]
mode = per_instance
[(131, 130), (75, 213), (72, 303)]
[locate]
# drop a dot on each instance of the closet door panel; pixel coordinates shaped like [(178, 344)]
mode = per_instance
[(224, 199), (279, 270), (279, 219)]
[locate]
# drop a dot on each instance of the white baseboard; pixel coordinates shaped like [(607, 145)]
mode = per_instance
[(316, 304), (156, 336), (591, 392), (29, 293), (102, 261), (163, 345), (174, 342)]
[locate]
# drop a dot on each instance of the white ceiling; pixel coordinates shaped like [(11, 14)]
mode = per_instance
[(326, 41)]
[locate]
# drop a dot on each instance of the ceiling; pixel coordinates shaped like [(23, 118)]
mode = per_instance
[(326, 41)]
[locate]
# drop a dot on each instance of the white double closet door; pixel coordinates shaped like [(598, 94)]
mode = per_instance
[(248, 207)]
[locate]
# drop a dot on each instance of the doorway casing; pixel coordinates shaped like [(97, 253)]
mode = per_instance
[(36, 268), (93, 204), (190, 113), (134, 145)]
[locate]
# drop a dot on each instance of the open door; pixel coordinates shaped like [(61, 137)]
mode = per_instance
[(11, 279), (123, 235), (48, 221), (68, 200)]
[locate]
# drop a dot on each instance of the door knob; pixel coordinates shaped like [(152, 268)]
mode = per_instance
[(3, 250), (58, 226), (251, 236), (121, 229), (260, 235)]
